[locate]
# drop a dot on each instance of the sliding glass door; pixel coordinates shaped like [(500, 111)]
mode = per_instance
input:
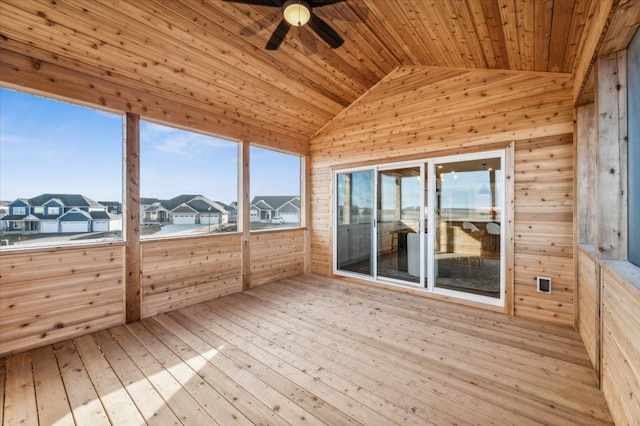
[(399, 198), (467, 222), (354, 222), (434, 224)]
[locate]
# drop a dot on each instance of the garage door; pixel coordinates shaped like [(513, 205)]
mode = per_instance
[(290, 217), (51, 226), (100, 225), (75, 226), (184, 220)]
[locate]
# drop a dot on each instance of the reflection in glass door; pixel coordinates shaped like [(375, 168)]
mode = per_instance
[(467, 255), (354, 222), (398, 225)]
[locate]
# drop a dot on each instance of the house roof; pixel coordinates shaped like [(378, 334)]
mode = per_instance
[(148, 201), (102, 215), (20, 200), (203, 207), (14, 217), (176, 201), (279, 98), (183, 209), (230, 208), (274, 202), (68, 200), (196, 203), (75, 215), (155, 208)]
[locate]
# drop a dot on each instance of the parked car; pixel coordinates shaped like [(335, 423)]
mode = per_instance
[(277, 219)]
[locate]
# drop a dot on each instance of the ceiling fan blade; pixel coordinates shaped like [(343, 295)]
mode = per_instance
[(278, 35), (328, 34), (260, 24), (272, 3)]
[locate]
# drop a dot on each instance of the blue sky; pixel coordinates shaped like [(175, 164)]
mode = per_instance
[(55, 147)]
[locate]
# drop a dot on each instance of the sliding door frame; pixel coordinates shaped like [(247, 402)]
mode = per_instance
[(427, 216), (485, 300)]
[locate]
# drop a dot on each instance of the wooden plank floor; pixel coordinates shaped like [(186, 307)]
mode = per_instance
[(310, 350)]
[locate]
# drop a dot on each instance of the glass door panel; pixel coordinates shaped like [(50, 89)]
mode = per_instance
[(398, 226), (467, 227), (354, 222)]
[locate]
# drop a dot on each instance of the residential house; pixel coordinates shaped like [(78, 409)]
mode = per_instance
[(4, 210), (114, 207), (65, 213), (266, 207), (186, 210)]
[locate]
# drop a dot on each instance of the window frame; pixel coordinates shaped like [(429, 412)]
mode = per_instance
[(274, 213), (200, 218), (22, 226)]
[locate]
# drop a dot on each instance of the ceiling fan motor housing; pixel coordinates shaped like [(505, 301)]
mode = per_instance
[(296, 12)]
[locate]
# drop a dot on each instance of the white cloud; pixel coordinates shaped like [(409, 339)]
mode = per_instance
[(180, 142)]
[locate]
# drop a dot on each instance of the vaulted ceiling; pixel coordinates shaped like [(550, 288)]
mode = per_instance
[(206, 59)]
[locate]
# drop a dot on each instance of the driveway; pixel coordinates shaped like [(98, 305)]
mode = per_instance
[(177, 230)]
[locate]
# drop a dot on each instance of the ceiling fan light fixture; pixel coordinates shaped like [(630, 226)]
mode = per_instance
[(296, 12)]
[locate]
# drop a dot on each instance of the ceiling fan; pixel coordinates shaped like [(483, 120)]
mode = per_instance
[(298, 13)]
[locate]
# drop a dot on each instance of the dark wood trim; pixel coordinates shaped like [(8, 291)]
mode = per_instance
[(132, 218)]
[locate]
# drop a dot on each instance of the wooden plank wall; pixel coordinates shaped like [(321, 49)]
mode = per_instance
[(621, 345), (589, 305), (608, 284), (544, 228), (586, 145), (276, 255), (83, 288), (49, 295), (184, 271), (423, 112)]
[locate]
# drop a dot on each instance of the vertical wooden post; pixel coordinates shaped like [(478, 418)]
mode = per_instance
[(611, 171), (244, 206), (509, 237), (585, 160), (305, 196), (132, 218), (584, 217)]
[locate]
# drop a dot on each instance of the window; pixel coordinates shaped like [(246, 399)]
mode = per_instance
[(38, 210), (73, 155), (275, 189), (53, 210), (633, 99), (188, 182)]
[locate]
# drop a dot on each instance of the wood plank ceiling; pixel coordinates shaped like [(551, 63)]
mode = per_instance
[(208, 56)]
